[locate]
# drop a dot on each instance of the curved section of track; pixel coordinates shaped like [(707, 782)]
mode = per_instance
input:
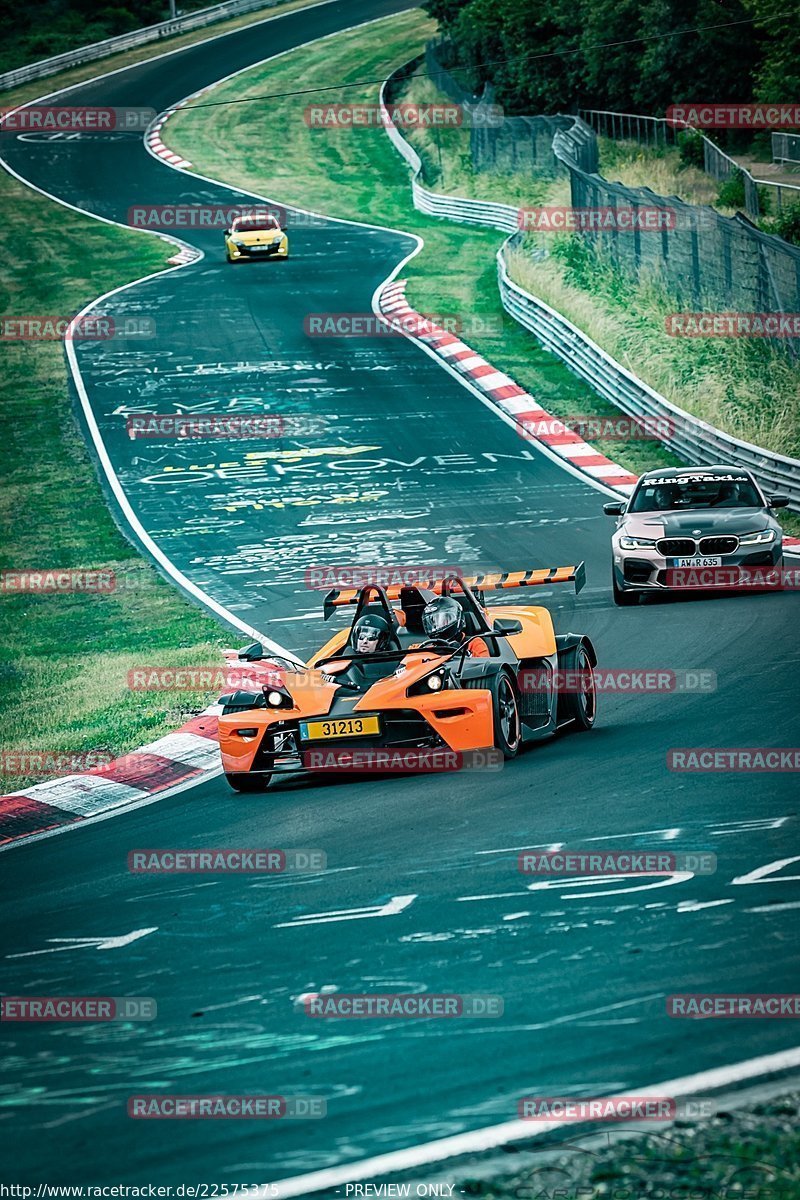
[(412, 468)]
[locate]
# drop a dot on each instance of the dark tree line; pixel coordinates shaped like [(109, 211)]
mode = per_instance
[(551, 55), (41, 28)]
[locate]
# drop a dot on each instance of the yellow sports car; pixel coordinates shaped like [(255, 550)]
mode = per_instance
[(255, 237)]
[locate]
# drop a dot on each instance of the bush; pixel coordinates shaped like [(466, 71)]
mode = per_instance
[(786, 224), (731, 192), (690, 148)]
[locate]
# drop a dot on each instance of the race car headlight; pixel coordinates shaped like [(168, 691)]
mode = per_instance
[(277, 699), (636, 543), (759, 537), (437, 681)]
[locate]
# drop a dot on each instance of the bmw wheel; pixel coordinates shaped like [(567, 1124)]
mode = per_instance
[(622, 598)]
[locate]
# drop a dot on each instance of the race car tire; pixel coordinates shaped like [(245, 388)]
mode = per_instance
[(577, 708), (242, 782), (507, 723), (622, 598)]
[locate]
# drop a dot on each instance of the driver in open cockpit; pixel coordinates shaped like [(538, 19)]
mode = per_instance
[(370, 634), (443, 621)]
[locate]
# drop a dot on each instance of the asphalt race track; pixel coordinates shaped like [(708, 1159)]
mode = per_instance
[(406, 466)]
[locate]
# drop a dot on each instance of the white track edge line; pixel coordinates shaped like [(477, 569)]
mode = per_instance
[(493, 1136)]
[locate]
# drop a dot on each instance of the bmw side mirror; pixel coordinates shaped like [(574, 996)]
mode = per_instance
[(615, 509), (252, 653), (779, 501)]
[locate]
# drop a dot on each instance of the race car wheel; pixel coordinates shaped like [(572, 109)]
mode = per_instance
[(242, 782), (577, 707), (623, 599), (507, 727)]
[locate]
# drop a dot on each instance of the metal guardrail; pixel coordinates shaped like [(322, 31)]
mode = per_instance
[(434, 204), (127, 41), (693, 440)]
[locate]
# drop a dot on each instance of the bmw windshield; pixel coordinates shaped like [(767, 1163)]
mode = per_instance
[(663, 495)]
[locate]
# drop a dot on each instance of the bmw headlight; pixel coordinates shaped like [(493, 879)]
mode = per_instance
[(636, 543), (759, 537)]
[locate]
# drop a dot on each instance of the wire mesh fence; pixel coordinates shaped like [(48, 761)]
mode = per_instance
[(706, 261)]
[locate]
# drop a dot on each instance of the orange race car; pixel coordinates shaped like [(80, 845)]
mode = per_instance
[(425, 677)]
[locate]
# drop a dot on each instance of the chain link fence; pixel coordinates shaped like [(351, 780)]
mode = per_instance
[(706, 261), (786, 148), (759, 194)]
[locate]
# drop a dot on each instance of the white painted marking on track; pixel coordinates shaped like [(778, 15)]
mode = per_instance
[(667, 835), (393, 906), (91, 943), (759, 875), (696, 905)]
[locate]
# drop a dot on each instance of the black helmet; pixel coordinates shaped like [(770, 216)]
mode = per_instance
[(370, 634), (443, 619)]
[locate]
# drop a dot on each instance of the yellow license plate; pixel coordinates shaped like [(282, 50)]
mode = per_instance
[(338, 727)]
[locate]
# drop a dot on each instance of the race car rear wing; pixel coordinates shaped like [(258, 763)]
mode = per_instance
[(539, 577)]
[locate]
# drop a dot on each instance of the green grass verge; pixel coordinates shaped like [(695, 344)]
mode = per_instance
[(65, 657), (357, 173), (748, 1153)]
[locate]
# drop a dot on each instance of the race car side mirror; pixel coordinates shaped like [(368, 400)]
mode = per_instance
[(251, 653), (615, 509), (507, 625), (778, 501)]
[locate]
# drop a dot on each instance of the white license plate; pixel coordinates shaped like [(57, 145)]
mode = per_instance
[(715, 561)]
